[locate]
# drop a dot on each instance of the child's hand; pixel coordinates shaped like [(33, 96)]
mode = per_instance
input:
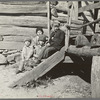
[(48, 44), (52, 38)]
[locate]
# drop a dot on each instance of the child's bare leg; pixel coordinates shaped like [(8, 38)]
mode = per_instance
[(21, 66)]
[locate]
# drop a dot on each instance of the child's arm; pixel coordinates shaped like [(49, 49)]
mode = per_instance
[(31, 52), (23, 54)]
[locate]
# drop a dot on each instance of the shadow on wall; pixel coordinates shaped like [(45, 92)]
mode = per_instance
[(83, 70)]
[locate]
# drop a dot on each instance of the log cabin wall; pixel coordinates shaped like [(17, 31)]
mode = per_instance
[(19, 19)]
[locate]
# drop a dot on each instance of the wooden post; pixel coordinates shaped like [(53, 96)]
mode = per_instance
[(95, 16), (95, 77), (75, 10), (68, 31), (48, 10)]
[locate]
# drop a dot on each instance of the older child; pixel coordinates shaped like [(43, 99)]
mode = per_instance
[(27, 53), (39, 31)]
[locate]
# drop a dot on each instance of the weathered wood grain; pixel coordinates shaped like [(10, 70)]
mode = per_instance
[(63, 19), (24, 21), (41, 69), (9, 30), (84, 51), (20, 2), (15, 38), (95, 77), (75, 10), (37, 8)]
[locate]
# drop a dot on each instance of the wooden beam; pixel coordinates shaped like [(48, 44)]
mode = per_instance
[(95, 74), (41, 69), (85, 51), (89, 7)]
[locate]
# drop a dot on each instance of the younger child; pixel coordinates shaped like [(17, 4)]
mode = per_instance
[(42, 40), (27, 53)]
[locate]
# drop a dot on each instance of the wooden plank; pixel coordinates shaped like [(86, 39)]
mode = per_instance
[(95, 77), (41, 69), (37, 8), (18, 31), (89, 7), (24, 21), (11, 45)]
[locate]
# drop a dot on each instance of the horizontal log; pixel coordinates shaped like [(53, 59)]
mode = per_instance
[(18, 31), (84, 51), (24, 21), (20, 2), (89, 7), (64, 20), (11, 45), (37, 8), (14, 38), (79, 31)]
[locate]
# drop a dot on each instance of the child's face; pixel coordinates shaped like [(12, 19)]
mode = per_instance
[(27, 43), (39, 32), (41, 43)]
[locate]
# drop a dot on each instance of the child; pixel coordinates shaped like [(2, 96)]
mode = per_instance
[(42, 40), (39, 31), (27, 53)]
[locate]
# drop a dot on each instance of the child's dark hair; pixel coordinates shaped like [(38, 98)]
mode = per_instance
[(28, 39), (39, 29)]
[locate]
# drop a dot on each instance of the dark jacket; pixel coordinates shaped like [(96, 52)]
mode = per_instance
[(57, 39)]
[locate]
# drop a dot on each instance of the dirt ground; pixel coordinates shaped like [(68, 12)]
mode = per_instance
[(68, 86)]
